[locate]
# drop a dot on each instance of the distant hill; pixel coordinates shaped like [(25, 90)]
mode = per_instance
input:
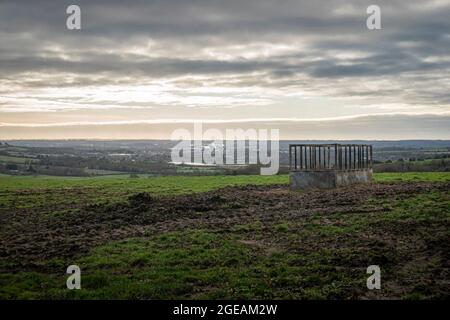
[(145, 144)]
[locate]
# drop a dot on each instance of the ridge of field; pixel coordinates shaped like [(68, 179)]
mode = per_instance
[(161, 184), (179, 184)]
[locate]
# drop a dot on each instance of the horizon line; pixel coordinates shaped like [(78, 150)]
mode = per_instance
[(211, 121)]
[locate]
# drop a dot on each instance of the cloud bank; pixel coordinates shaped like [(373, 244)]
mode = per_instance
[(224, 60)]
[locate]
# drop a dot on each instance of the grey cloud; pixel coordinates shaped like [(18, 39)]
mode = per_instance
[(34, 39)]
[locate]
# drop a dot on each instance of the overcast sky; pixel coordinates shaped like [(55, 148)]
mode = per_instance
[(139, 69)]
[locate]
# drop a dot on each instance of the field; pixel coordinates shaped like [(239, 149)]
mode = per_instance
[(223, 237)]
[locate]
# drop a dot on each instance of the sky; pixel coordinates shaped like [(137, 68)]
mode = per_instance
[(141, 69)]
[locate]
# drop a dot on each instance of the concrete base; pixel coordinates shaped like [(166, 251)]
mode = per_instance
[(328, 179)]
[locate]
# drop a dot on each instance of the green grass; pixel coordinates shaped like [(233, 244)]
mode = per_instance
[(411, 176), (192, 264), (178, 184), (114, 183), (62, 192)]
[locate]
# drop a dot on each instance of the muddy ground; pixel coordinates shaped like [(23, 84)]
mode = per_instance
[(28, 237)]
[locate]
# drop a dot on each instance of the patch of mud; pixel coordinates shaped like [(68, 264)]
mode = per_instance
[(221, 209), (73, 234)]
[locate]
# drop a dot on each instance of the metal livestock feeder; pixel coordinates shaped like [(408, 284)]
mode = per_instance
[(329, 165)]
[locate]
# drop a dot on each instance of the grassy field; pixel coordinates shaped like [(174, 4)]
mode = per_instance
[(115, 183), (178, 184), (412, 176), (190, 238), (30, 191)]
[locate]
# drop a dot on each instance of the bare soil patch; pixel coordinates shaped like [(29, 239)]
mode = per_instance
[(32, 238)]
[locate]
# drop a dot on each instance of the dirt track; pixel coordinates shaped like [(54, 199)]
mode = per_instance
[(39, 237)]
